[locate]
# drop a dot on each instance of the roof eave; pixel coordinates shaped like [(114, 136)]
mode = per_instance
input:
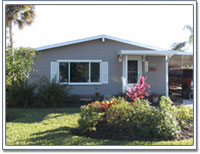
[(152, 52)]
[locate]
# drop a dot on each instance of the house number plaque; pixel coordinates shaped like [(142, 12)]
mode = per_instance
[(152, 69)]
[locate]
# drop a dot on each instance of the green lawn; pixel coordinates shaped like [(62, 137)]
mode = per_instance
[(51, 127)]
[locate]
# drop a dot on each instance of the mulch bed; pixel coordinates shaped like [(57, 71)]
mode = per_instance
[(104, 132), (187, 133)]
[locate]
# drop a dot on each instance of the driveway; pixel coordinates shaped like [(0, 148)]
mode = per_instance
[(187, 102)]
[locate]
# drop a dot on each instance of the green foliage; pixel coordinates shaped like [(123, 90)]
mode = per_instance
[(20, 14), (180, 46), (132, 120), (51, 94), (49, 127), (20, 95), (184, 116), (18, 66), (89, 118), (168, 124)]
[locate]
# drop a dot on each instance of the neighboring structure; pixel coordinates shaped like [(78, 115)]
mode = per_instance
[(181, 61), (103, 64)]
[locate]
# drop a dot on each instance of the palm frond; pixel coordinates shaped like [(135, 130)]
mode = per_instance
[(20, 14), (188, 27), (20, 23), (178, 46)]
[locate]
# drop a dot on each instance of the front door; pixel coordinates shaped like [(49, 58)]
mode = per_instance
[(134, 70)]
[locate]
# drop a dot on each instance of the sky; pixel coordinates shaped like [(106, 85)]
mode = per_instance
[(155, 25)]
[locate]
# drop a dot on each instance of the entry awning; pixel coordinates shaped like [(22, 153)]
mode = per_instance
[(153, 52)]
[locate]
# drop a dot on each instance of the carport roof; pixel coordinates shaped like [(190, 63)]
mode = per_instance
[(153, 52)]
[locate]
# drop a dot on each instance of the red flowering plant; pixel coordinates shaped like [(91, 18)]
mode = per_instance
[(140, 90), (104, 105)]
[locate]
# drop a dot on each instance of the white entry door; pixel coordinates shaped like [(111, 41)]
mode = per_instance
[(134, 70)]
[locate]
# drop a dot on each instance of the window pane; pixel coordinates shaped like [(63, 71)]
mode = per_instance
[(79, 72), (132, 71), (95, 72), (132, 66), (132, 77), (63, 72)]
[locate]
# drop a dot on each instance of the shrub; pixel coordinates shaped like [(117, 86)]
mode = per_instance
[(184, 116), (168, 124), (138, 91), (92, 114), (51, 94), (89, 118), (120, 119), (126, 118), (143, 120), (20, 95)]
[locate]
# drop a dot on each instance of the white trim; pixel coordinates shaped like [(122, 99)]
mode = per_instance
[(68, 72), (153, 52), (104, 72), (124, 72), (80, 83), (89, 72), (79, 61), (125, 59), (184, 53), (139, 69), (166, 75), (95, 38), (54, 71)]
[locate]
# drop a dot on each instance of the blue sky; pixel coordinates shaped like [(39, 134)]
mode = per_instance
[(158, 26)]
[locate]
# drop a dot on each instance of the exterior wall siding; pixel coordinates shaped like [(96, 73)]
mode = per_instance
[(96, 50), (157, 78)]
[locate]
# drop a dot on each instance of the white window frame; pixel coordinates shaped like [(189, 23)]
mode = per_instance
[(81, 61), (139, 60)]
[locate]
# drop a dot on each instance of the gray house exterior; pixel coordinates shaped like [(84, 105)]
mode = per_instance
[(103, 64)]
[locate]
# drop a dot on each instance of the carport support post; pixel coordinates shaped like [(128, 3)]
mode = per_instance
[(124, 72), (167, 75)]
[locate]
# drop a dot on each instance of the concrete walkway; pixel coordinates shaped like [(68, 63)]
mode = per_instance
[(187, 102)]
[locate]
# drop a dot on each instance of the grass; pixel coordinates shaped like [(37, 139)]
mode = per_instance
[(51, 127)]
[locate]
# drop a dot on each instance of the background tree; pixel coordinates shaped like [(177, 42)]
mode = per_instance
[(181, 45), (18, 66), (20, 15)]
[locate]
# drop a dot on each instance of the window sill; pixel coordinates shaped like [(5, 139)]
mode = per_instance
[(80, 84)]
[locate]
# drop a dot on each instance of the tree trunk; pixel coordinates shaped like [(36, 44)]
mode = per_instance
[(11, 47), (11, 37)]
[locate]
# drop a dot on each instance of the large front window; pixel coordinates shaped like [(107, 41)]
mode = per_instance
[(79, 72)]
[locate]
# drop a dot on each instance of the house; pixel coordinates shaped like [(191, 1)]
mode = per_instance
[(103, 64)]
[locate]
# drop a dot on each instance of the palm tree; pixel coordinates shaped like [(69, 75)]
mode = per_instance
[(181, 45), (20, 15)]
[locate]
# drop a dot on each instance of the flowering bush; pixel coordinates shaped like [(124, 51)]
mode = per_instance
[(140, 90), (93, 113), (104, 105), (119, 119)]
